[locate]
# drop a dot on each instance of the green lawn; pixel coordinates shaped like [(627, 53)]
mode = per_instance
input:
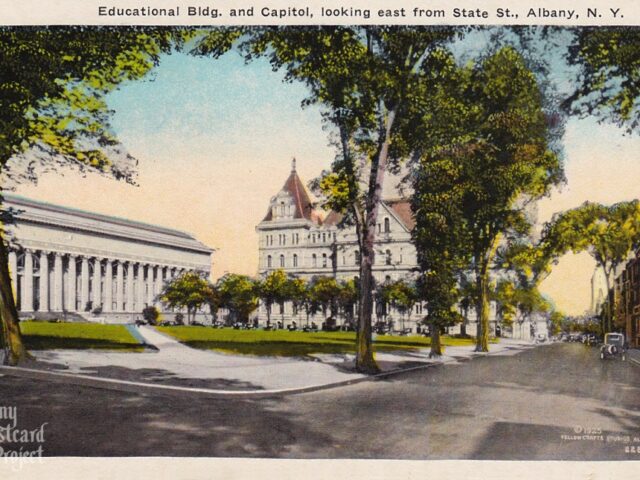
[(50, 336), (285, 343)]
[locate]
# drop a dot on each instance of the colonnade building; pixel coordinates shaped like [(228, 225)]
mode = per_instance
[(72, 264)]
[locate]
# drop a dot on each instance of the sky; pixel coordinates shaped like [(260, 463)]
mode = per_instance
[(214, 140)]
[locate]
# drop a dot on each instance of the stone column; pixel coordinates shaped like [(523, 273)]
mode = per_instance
[(119, 287), (108, 286), (58, 286), (13, 270), (159, 283), (130, 300), (84, 283), (44, 282), (150, 284), (27, 291), (71, 284), (96, 298), (141, 285)]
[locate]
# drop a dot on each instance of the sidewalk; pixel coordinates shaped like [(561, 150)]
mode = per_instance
[(176, 367), (634, 355)]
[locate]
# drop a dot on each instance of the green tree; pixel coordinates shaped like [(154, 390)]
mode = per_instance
[(607, 233), (274, 289), (400, 295), (297, 293), (608, 84), (239, 294), (347, 299), (363, 76), (506, 167), (491, 159), (189, 291), (556, 322), (52, 87), (325, 291)]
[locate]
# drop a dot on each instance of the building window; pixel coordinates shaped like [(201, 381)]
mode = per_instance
[(387, 226), (295, 260), (324, 260), (282, 261), (356, 257), (269, 264), (388, 257), (314, 260), (324, 238)]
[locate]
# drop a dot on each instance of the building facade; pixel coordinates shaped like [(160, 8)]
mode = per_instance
[(626, 300), (296, 237), (71, 264)]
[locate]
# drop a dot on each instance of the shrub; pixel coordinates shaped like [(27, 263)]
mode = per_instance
[(179, 318), (150, 314)]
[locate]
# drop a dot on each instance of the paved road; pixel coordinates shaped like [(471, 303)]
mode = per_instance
[(516, 407)]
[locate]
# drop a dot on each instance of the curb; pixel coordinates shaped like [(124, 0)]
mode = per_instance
[(141, 387)]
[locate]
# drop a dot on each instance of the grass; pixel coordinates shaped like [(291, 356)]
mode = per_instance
[(51, 336), (285, 343)]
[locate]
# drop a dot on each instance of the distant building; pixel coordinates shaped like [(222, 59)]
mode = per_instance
[(71, 264), (626, 300), (598, 291)]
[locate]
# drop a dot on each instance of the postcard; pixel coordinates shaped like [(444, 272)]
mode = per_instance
[(319, 239)]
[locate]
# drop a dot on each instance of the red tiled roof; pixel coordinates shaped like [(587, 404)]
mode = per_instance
[(304, 207), (402, 208)]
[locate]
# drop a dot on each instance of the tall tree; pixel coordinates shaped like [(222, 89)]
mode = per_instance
[(608, 233), (52, 87), (483, 179), (362, 76)]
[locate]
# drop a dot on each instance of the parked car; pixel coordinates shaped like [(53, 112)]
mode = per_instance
[(614, 347), (541, 338)]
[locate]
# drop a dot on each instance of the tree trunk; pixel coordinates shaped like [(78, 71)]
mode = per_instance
[(482, 282), (482, 335), (436, 345), (15, 352), (365, 362)]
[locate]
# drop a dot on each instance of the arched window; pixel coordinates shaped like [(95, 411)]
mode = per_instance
[(387, 226), (295, 260), (388, 257), (281, 260), (324, 260), (314, 260), (269, 265)]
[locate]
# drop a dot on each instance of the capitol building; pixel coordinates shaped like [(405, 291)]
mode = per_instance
[(75, 265), (305, 242)]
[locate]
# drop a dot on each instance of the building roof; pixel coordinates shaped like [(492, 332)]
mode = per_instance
[(402, 208), (302, 201), (182, 238)]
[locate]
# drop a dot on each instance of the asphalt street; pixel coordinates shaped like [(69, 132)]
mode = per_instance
[(554, 402)]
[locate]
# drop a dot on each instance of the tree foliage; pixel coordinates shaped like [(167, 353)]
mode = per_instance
[(609, 80), (52, 87)]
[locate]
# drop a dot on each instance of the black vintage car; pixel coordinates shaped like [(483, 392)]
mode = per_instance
[(614, 347)]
